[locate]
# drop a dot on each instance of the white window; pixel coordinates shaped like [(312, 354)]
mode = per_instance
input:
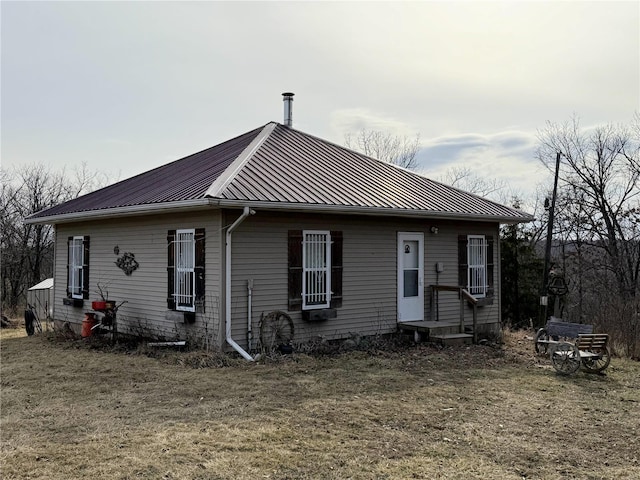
[(316, 264), (185, 278), (75, 278), (477, 265)]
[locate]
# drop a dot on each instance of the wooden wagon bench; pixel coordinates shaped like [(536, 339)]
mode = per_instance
[(588, 349), (556, 329)]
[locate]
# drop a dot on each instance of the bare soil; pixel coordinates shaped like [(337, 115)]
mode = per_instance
[(73, 410)]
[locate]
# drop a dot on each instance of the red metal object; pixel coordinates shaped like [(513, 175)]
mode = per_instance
[(87, 324), (99, 305)]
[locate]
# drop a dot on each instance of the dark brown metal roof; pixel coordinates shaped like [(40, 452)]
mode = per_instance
[(297, 168), (281, 167), (184, 179)]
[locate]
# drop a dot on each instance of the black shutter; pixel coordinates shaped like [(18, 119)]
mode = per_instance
[(295, 269), (336, 269), (489, 266), (85, 267), (199, 267), (171, 238), (69, 242), (463, 279)]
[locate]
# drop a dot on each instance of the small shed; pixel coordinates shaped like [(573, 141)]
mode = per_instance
[(40, 296)]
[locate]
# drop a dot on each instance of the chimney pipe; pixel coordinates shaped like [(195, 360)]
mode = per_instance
[(287, 98)]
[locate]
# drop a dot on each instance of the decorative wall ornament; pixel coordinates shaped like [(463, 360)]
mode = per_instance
[(127, 263)]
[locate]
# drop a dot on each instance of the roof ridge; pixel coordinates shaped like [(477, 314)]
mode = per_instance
[(229, 174)]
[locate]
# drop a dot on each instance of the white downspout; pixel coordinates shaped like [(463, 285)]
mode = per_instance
[(249, 313), (227, 301)]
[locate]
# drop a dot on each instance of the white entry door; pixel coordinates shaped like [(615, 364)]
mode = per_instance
[(410, 276)]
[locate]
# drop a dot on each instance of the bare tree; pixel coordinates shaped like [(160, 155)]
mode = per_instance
[(600, 171), (398, 150), (465, 179), (598, 217), (27, 250)]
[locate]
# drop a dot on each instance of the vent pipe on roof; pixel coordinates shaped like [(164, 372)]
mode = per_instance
[(287, 98)]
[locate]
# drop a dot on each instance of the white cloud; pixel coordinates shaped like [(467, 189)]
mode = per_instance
[(172, 78), (352, 120), (507, 156)]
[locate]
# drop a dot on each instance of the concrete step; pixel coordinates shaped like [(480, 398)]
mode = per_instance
[(453, 338)]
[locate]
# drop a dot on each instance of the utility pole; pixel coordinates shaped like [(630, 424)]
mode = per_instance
[(544, 292)]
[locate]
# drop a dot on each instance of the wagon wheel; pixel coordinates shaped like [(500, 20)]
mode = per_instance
[(565, 358), (599, 363), (276, 329), (541, 337)]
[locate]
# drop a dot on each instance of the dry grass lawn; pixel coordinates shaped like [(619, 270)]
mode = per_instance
[(70, 412)]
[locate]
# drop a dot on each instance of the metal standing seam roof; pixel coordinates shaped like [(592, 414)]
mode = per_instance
[(279, 166), (184, 179), (296, 168), (45, 284)]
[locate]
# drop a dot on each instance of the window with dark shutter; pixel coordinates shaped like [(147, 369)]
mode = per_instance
[(78, 267), (475, 265), (199, 265), (463, 280), (171, 237), (336, 269), (296, 268), (85, 267), (490, 289), (316, 269), (69, 267), (185, 269)]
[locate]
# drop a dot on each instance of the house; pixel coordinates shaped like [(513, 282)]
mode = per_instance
[(277, 220)]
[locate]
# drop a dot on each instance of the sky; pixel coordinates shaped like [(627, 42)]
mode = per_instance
[(127, 86)]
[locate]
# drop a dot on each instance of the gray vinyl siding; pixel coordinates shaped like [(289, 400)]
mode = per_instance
[(260, 253), (145, 290), (369, 305), (443, 247)]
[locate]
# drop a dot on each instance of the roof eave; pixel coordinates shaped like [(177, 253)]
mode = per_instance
[(198, 204), (117, 212), (373, 211)]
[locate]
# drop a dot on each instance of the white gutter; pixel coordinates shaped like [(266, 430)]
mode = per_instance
[(117, 212), (197, 204), (376, 211), (227, 300)]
